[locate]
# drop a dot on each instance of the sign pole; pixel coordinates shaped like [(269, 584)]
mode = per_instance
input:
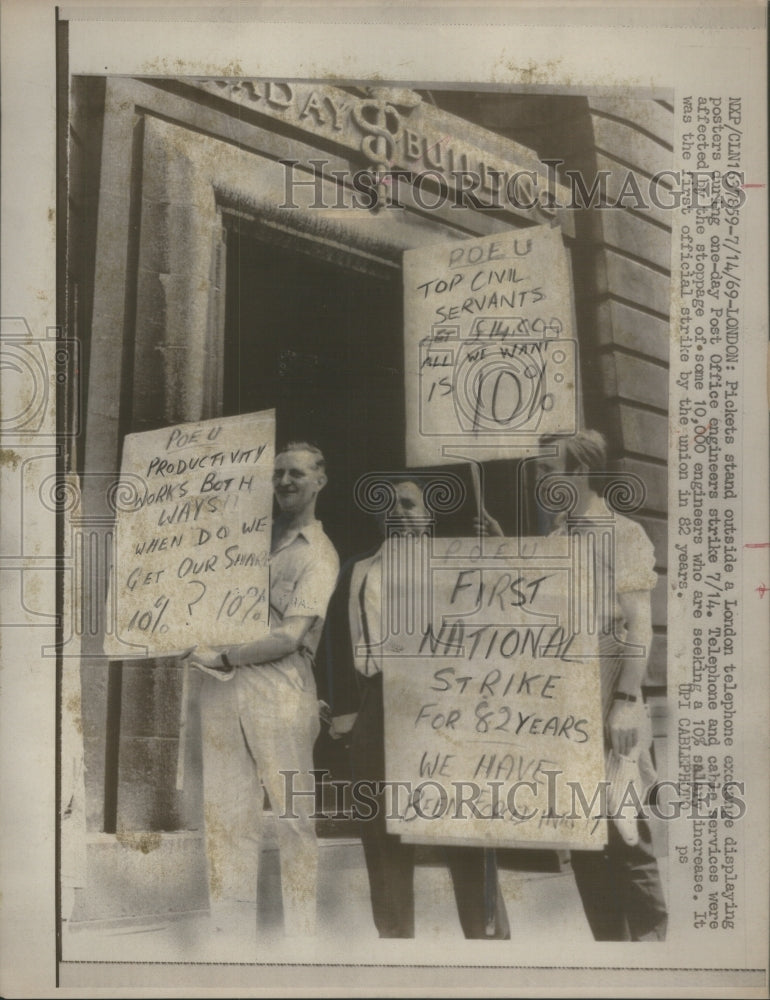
[(490, 855), (490, 891)]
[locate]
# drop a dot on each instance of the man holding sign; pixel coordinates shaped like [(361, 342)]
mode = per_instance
[(354, 687), (620, 887), (264, 719)]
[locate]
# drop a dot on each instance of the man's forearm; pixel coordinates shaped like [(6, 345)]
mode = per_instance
[(634, 667), (637, 611), (271, 647)]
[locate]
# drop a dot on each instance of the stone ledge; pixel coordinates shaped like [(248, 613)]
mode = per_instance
[(142, 874)]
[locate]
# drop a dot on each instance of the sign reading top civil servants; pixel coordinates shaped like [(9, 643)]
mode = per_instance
[(489, 351), (192, 536), (493, 721)]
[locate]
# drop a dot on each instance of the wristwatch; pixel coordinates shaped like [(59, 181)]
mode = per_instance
[(622, 696)]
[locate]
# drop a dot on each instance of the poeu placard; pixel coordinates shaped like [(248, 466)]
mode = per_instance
[(489, 353), (192, 536)]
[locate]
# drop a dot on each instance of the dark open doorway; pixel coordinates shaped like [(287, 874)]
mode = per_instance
[(322, 343)]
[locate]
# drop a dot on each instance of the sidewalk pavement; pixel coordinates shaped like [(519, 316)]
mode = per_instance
[(539, 903)]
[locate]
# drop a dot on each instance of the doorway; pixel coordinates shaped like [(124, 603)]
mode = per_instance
[(321, 343)]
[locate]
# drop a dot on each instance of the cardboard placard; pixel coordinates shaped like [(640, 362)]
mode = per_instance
[(193, 527), (494, 707), (489, 351)]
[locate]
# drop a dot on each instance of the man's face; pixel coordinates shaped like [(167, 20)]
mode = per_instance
[(409, 507), (296, 480)]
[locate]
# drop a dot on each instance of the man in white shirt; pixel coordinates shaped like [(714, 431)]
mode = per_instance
[(354, 691), (264, 719), (620, 886)]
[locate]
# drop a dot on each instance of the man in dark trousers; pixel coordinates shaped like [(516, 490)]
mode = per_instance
[(620, 887), (351, 679)]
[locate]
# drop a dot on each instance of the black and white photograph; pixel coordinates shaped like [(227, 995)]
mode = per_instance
[(390, 433)]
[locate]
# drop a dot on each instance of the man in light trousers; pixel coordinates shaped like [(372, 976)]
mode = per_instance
[(259, 711)]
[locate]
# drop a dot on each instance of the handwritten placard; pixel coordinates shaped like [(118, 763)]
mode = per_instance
[(489, 350), (192, 532), (493, 709)]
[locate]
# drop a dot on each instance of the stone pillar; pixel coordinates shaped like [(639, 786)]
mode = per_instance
[(155, 359), (177, 371)]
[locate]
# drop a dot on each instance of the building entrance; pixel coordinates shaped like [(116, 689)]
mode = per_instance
[(320, 343)]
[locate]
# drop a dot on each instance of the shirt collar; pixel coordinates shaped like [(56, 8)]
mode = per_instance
[(308, 534)]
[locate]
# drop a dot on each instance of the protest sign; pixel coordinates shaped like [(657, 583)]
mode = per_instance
[(494, 707), (489, 351), (193, 536)]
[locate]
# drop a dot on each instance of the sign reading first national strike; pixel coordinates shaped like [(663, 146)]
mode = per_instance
[(193, 529), (492, 702)]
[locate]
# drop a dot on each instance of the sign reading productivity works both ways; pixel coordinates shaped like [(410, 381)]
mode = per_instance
[(193, 530), (490, 356), (492, 700)]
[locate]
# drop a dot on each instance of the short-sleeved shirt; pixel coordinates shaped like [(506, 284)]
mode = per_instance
[(365, 613), (634, 555), (630, 566), (303, 573)]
